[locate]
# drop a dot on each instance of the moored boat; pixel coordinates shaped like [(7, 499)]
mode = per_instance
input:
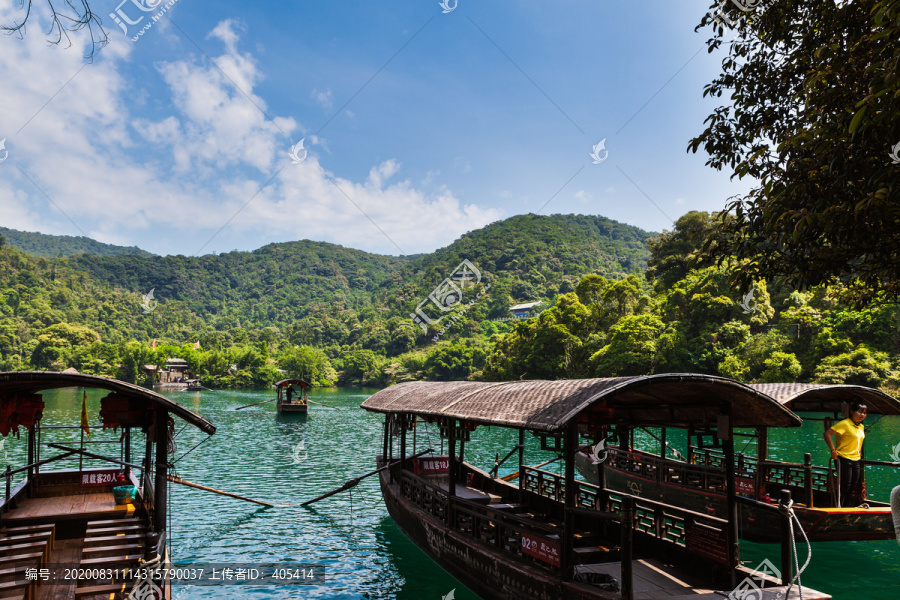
[(290, 400), (697, 480), (552, 536), (89, 531)]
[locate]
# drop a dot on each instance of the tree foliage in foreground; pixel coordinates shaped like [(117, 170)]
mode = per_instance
[(813, 117)]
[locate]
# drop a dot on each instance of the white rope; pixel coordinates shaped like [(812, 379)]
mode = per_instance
[(792, 517)]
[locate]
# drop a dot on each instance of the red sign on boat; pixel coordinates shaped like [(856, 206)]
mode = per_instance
[(99, 478), (745, 485), (431, 464), (541, 548), (707, 541)]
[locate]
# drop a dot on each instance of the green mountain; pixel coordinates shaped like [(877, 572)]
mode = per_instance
[(50, 246), (337, 299)]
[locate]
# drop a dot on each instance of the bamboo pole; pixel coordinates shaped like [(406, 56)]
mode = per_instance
[(354, 482), (176, 479), (256, 404)]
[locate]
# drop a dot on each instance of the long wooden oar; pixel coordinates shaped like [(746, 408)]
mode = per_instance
[(515, 475), (321, 404), (354, 482), (176, 479), (256, 404)]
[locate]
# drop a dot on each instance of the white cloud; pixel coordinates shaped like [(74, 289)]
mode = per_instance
[(121, 167), (325, 99), (583, 196)]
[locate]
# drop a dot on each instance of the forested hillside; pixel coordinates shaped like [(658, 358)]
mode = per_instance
[(40, 244), (336, 308), (338, 315)]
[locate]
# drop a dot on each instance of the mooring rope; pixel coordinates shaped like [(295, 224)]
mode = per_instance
[(792, 517)]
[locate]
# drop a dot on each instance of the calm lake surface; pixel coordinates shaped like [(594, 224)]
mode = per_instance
[(348, 540)]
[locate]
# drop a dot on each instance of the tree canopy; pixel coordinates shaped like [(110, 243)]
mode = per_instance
[(814, 115)]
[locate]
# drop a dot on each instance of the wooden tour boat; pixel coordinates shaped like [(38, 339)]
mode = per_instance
[(54, 521), (698, 480), (292, 400), (552, 536)]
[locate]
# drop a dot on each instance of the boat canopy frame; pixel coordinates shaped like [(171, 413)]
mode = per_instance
[(816, 397), (37, 381), (673, 399)]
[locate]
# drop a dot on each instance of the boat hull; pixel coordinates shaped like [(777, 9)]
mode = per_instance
[(293, 408), (489, 574), (755, 525)]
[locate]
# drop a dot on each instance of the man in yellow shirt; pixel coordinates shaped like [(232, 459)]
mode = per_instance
[(848, 453)]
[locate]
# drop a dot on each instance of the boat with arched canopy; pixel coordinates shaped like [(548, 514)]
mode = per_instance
[(551, 535), (290, 400), (70, 516), (693, 476)]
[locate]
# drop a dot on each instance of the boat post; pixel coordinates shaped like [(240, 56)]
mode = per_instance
[(162, 483), (521, 460), (31, 460), (787, 574), (451, 445), (726, 434), (127, 455), (403, 418), (571, 445), (627, 543)]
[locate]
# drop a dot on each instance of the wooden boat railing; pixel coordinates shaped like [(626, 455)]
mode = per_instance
[(662, 522), (803, 479), (498, 528), (710, 476)]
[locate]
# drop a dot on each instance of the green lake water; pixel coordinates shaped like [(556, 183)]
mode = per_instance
[(348, 540)]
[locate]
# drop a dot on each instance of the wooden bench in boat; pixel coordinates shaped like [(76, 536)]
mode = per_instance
[(113, 544), (470, 494), (22, 530)]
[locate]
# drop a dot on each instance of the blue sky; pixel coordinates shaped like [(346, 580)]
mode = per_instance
[(419, 125)]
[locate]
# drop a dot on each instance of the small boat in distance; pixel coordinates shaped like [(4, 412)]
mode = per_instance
[(697, 479), (551, 536), (292, 396), (104, 520)]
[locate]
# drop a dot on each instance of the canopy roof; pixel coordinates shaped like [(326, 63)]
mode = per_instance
[(36, 381), (676, 400), (297, 382), (813, 397)]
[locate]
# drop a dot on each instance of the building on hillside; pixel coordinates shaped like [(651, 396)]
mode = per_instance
[(525, 311), (176, 371)]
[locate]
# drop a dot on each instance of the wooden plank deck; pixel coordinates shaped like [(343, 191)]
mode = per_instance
[(65, 552), (69, 507), (653, 580)]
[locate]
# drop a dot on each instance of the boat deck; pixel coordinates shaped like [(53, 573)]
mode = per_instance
[(74, 506), (654, 580)]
